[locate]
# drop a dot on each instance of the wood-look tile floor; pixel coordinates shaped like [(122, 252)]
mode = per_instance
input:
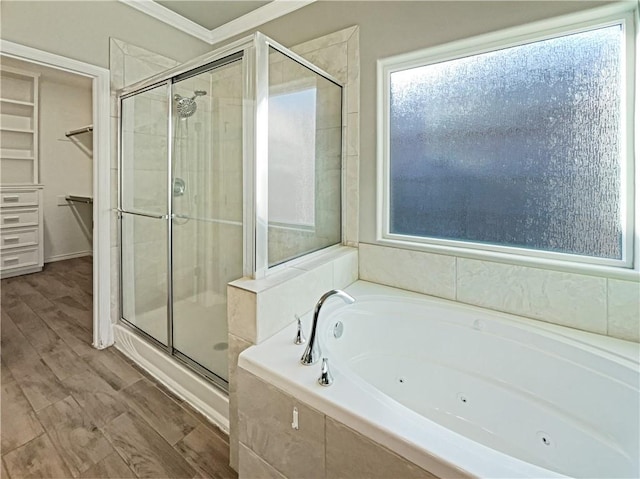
[(69, 410)]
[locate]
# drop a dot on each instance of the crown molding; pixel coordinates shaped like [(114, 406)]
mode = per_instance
[(260, 16), (170, 17), (264, 14)]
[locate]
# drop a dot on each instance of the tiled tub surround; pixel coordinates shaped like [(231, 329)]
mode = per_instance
[(260, 308), (379, 419), (590, 303)]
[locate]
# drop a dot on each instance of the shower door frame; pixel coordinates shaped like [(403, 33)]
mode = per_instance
[(253, 51)]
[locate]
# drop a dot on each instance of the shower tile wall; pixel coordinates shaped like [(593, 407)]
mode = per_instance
[(287, 76)]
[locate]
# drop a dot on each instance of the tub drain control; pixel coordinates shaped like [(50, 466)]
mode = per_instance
[(338, 329)]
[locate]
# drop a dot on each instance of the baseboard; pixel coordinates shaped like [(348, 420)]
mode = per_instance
[(62, 257), (197, 392)]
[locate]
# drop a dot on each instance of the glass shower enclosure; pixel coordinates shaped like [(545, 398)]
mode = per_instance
[(229, 166)]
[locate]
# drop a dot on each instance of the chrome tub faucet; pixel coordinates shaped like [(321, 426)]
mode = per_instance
[(312, 352)]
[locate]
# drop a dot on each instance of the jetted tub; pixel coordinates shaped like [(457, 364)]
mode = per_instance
[(460, 390)]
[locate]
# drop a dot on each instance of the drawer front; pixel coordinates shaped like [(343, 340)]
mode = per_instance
[(18, 217), (10, 198), (16, 259), (10, 238)]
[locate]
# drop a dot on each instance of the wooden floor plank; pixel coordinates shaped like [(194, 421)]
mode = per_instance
[(111, 466), (42, 337), (89, 400), (99, 400), (19, 422), (166, 416), (144, 450), (112, 367), (75, 336), (63, 362), (77, 439), (5, 374), (206, 452), (15, 349), (37, 459), (4, 474), (39, 384)]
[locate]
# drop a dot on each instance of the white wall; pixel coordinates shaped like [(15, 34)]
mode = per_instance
[(66, 167)]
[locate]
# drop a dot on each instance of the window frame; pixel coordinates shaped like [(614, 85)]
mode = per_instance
[(624, 13)]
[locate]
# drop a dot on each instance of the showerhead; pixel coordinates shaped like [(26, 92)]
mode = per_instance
[(185, 106)]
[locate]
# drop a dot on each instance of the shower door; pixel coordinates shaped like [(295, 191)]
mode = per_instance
[(144, 212), (207, 211), (181, 208)]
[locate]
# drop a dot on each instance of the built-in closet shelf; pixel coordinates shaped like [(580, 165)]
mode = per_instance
[(17, 102), (19, 127), (21, 212), (17, 157), (17, 130)]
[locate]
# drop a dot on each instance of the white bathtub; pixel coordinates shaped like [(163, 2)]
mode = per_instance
[(462, 390)]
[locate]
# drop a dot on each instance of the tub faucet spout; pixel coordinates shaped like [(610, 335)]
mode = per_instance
[(312, 352)]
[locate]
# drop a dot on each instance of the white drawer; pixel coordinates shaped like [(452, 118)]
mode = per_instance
[(18, 217), (9, 198), (15, 238), (18, 258)]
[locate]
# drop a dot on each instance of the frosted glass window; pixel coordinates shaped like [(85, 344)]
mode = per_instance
[(518, 147)]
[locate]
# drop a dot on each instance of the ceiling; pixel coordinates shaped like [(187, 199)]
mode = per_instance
[(214, 13)]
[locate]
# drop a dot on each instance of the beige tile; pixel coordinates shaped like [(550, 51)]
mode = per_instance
[(19, 422), (36, 460), (253, 467), (324, 41), (345, 269), (568, 299), (265, 426), (352, 456), (424, 273), (241, 307), (623, 314), (278, 306), (236, 346), (76, 438)]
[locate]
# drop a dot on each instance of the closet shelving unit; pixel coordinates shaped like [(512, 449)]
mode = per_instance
[(21, 233)]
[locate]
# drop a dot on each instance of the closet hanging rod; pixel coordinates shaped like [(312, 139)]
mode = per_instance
[(84, 129), (79, 199)]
